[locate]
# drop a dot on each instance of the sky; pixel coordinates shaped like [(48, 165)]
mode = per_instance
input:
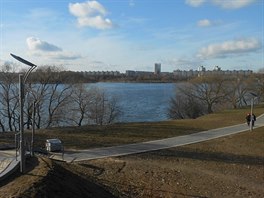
[(120, 35)]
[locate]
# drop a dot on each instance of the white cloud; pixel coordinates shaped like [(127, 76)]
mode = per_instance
[(204, 23), (230, 48), (184, 63), (36, 44), (97, 22), (90, 14), (195, 3), (86, 9), (232, 4), (38, 47), (64, 56), (225, 4), (208, 23)]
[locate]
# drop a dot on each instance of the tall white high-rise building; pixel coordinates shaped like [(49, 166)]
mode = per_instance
[(157, 68)]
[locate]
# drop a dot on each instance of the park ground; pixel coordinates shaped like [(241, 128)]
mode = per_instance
[(232, 166)]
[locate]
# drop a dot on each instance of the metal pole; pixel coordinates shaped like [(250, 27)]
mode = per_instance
[(251, 115), (22, 81), (21, 100), (16, 144), (252, 104), (33, 128)]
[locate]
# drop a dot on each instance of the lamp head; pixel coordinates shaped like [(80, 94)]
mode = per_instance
[(23, 60)]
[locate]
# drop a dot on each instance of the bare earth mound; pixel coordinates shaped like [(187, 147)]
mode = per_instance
[(232, 166), (49, 179)]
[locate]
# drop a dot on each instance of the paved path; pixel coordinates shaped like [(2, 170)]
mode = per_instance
[(5, 158), (8, 163), (82, 155)]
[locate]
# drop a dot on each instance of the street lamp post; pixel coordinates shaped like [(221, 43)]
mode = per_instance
[(22, 81), (251, 111), (33, 128)]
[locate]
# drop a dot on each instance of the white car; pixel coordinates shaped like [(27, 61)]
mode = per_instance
[(53, 145)]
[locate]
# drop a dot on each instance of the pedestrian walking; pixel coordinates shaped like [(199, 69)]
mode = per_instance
[(253, 119), (250, 118)]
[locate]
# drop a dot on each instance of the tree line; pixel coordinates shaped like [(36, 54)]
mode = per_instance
[(207, 94), (85, 77), (53, 102)]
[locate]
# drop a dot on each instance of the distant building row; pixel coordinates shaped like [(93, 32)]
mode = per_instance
[(177, 73), (191, 73), (216, 71), (157, 71), (102, 73)]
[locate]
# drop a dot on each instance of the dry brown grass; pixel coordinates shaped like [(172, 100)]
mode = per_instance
[(116, 134)]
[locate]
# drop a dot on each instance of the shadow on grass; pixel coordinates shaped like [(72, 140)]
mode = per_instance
[(61, 182), (31, 163), (206, 156), (10, 178)]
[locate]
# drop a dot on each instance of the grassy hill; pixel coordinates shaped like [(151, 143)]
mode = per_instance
[(230, 166)]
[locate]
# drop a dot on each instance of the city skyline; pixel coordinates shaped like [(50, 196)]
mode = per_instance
[(157, 70), (132, 34)]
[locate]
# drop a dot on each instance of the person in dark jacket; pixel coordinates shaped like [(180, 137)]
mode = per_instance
[(248, 118)]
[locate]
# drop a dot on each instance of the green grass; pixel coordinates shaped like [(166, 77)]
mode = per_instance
[(99, 136)]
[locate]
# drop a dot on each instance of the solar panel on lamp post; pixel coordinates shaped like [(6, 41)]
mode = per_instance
[(22, 81)]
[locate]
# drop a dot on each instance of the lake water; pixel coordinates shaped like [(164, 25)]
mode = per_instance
[(141, 102)]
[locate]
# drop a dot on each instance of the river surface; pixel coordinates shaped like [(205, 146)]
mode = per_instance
[(141, 102)]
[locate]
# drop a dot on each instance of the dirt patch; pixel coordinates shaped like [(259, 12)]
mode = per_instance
[(227, 167), (45, 178)]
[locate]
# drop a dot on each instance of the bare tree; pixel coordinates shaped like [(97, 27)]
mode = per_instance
[(97, 106), (103, 109), (50, 96), (177, 108), (198, 97), (81, 98), (8, 99), (237, 90), (214, 92), (57, 100), (43, 78), (39, 95), (260, 86), (57, 103), (183, 106), (114, 110), (209, 90)]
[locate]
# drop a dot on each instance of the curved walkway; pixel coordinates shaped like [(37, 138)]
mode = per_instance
[(8, 163), (90, 154)]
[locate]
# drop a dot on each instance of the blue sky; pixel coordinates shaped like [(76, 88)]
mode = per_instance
[(134, 34)]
